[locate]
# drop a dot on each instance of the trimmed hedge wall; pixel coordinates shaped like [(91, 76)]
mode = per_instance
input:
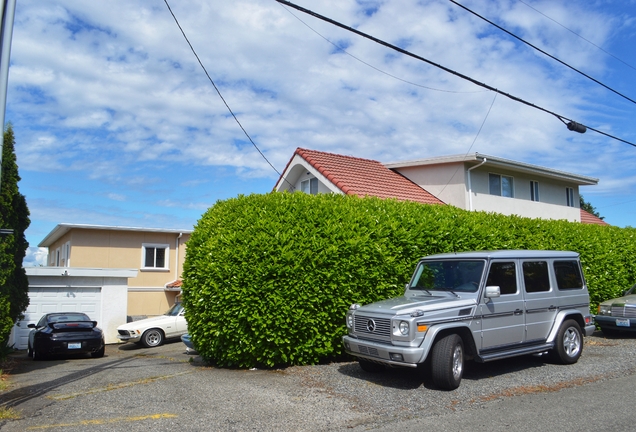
[(268, 278)]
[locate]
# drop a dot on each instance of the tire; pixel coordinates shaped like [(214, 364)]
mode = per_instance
[(99, 353), (152, 338), (37, 356), (370, 367), (569, 343), (447, 362)]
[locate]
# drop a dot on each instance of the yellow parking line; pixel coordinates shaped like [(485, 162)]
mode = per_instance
[(114, 387), (104, 421)]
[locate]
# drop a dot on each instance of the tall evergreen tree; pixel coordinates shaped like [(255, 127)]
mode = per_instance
[(14, 215)]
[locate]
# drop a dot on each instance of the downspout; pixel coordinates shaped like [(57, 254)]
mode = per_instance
[(176, 253), (470, 188)]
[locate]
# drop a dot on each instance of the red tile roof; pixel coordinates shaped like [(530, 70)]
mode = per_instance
[(365, 177), (589, 218)]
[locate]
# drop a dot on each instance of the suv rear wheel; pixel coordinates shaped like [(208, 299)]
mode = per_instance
[(569, 343), (447, 362)]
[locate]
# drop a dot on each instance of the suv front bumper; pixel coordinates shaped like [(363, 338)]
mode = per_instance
[(384, 353)]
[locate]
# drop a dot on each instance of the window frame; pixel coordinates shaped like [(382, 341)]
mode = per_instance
[(155, 246), (534, 191), (569, 197), (501, 185), (309, 186)]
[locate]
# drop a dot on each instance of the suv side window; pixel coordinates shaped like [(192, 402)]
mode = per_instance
[(568, 275), (503, 275), (535, 276)]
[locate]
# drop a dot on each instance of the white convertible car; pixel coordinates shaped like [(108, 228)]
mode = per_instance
[(152, 332)]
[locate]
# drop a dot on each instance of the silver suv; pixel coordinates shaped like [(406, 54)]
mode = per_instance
[(476, 305)]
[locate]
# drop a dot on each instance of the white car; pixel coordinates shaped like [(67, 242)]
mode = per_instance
[(152, 332)]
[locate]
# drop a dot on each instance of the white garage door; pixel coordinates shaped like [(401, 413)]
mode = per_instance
[(45, 300)]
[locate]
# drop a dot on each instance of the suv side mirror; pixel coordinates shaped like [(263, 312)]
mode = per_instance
[(492, 292), (31, 325)]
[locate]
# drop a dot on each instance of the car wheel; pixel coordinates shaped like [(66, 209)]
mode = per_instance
[(370, 367), (99, 353), (569, 343), (152, 338), (447, 362), (37, 356)]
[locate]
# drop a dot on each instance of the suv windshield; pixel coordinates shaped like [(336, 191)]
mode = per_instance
[(448, 275), (174, 310)]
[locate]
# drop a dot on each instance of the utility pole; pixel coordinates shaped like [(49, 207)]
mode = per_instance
[(7, 13)]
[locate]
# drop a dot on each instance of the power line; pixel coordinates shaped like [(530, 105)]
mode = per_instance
[(368, 64), (576, 34), (219, 92), (542, 51), (458, 74)]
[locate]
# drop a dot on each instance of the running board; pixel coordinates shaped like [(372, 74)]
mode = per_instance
[(497, 355)]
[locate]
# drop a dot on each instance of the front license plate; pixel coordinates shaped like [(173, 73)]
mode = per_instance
[(75, 345), (622, 322)]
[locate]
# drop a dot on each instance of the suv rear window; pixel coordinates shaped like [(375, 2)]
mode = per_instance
[(568, 275)]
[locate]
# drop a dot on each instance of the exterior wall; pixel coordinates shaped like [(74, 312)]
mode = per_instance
[(447, 182), (150, 303), (123, 249)]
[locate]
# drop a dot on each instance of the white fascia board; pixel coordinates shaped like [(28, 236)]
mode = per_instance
[(298, 161), (63, 228), (81, 272), (510, 165)]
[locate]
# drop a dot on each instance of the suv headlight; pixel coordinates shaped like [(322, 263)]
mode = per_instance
[(604, 309), (349, 320), (404, 327)]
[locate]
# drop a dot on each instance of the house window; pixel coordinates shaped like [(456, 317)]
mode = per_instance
[(569, 197), (155, 256), (534, 190), (501, 185), (309, 186), (66, 254)]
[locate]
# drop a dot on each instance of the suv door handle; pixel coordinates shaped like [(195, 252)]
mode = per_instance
[(552, 308), (518, 312)]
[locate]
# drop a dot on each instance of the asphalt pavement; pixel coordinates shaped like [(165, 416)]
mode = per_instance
[(165, 389)]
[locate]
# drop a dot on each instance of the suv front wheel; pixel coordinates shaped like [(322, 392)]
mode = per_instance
[(569, 343), (447, 362)]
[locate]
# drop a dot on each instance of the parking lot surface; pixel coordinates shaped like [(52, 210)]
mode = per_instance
[(165, 389)]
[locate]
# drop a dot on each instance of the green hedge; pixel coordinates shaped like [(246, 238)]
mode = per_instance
[(268, 278)]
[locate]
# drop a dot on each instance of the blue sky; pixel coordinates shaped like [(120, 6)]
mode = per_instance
[(117, 124)]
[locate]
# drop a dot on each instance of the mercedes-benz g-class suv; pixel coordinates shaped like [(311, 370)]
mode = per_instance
[(475, 305)]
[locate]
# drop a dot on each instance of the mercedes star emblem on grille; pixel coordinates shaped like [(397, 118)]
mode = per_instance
[(371, 325)]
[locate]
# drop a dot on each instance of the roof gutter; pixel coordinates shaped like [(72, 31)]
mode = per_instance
[(470, 188)]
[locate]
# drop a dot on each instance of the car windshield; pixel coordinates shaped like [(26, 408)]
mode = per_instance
[(448, 275), (174, 310), (68, 317)]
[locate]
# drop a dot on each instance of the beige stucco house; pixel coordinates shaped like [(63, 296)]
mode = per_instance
[(472, 182), (156, 254)]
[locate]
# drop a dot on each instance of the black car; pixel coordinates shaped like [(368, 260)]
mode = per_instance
[(63, 333)]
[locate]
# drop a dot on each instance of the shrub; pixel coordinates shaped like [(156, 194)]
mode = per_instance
[(268, 278)]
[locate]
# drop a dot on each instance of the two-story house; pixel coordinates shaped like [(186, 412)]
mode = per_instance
[(112, 273), (471, 182)]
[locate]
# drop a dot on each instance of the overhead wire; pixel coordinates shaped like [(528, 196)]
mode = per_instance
[(219, 93), (368, 64), (576, 34), (444, 68), (542, 51)]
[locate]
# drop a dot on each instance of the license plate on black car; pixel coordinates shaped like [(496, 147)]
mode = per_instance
[(75, 345), (622, 322)]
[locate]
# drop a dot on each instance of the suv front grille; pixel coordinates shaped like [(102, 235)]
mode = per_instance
[(626, 311), (378, 327)]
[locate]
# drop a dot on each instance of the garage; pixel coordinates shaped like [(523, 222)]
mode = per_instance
[(46, 300), (102, 294)]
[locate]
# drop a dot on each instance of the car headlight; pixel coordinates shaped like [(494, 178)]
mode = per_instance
[(349, 321), (604, 309), (404, 327)]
